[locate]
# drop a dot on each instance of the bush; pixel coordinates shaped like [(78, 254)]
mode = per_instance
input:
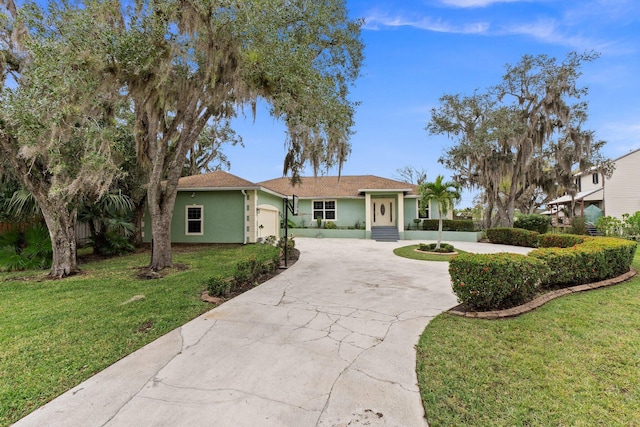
[(291, 244), (578, 226), (111, 243), (495, 281), (449, 225), (431, 247), (513, 236), (28, 249), (632, 225), (628, 227), (219, 286), (559, 240), (597, 258), (533, 222), (330, 225), (610, 226)]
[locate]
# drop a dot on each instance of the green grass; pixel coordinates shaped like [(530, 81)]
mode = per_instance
[(573, 362), (56, 333), (409, 252)]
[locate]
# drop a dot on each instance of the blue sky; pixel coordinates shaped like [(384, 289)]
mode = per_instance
[(416, 51)]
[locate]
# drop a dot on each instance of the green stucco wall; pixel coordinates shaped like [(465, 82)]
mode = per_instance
[(223, 217), (348, 212), (265, 198), (410, 210)]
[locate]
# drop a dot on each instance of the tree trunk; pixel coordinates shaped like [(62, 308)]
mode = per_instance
[(62, 229), (161, 204), (161, 256)]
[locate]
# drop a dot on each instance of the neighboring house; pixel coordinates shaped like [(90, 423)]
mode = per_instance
[(600, 196), (219, 207)]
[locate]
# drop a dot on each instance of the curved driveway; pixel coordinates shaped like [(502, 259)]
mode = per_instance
[(329, 342)]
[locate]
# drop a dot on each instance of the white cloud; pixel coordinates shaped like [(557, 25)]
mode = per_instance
[(376, 21), (548, 31)]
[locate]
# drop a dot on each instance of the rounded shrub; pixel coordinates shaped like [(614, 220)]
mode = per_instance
[(578, 226), (431, 247), (219, 286), (495, 281), (330, 225)]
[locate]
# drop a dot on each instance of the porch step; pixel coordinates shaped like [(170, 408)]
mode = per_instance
[(385, 234), (593, 231)]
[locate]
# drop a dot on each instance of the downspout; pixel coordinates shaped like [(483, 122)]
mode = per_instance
[(244, 216)]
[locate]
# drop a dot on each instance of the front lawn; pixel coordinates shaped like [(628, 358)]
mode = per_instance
[(572, 362), (57, 333)]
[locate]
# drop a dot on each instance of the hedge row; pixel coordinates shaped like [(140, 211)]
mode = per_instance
[(496, 281), (513, 236), (246, 272), (449, 225), (559, 240), (591, 261)]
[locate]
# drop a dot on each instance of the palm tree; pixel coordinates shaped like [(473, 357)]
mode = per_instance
[(444, 194)]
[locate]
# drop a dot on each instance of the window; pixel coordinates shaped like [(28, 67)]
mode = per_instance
[(426, 210), (194, 220), (594, 178), (325, 209), (578, 184)]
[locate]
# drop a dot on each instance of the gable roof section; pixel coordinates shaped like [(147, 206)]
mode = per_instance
[(218, 180), (333, 186)]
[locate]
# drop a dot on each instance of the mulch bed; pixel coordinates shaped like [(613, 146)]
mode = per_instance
[(248, 286)]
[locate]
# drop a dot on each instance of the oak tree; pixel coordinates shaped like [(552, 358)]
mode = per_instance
[(523, 134)]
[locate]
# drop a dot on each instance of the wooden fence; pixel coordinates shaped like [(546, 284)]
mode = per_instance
[(82, 229)]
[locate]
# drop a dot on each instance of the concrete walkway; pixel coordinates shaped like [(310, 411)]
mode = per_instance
[(329, 342)]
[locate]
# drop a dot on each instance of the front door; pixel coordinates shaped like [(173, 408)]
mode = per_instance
[(383, 211)]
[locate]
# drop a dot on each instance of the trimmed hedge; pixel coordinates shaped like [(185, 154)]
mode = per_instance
[(597, 258), (533, 222), (495, 281), (513, 236), (449, 225), (559, 240)]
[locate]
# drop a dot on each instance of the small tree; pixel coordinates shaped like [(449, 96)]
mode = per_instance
[(444, 194)]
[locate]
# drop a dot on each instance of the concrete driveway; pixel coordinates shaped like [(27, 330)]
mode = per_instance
[(329, 342)]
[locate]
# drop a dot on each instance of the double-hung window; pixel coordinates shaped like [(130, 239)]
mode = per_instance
[(324, 209), (194, 225)]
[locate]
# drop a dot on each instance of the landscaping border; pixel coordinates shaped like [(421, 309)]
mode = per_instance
[(541, 300)]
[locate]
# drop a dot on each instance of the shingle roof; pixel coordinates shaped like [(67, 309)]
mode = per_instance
[(333, 186), (214, 180)]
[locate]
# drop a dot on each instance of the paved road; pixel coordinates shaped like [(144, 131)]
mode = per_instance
[(329, 342)]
